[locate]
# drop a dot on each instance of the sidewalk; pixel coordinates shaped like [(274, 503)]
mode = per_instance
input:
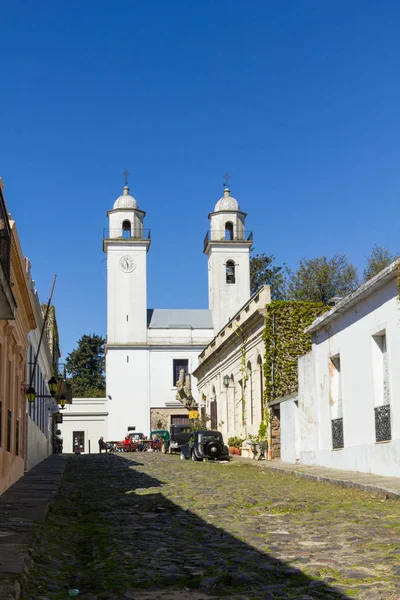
[(23, 508), (389, 487)]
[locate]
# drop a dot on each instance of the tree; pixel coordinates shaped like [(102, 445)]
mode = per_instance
[(262, 272), (85, 365), (321, 279), (379, 258)]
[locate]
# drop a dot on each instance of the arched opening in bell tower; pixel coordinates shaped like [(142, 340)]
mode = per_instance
[(126, 230), (229, 230), (230, 272)]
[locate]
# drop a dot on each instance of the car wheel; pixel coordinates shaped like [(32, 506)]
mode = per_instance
[(182, 456)]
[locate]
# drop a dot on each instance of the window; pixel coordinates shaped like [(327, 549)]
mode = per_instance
[(261, 384), (383, 430), (126, 229), (229, 231), (9, 430), (335, 401), (17, 437), (230, 272), (177, 366)]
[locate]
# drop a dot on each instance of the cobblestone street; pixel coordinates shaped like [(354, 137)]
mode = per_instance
[(148, 525)]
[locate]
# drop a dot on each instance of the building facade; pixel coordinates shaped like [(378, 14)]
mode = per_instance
[(83, 423), (347, 411), (147, 348), (13, 369), (230, 376), (39, 425)]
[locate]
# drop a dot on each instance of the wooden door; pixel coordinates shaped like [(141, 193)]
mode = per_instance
[(78, 441)]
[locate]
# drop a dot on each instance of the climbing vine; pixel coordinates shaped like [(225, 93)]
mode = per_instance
[(285, 341), (243, 369)]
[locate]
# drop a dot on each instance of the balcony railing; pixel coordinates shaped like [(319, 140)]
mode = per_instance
[(383, 429), (125, 234), (226, 236)]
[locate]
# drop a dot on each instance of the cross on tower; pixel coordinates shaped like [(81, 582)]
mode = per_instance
[(126, 173), (226, 179)]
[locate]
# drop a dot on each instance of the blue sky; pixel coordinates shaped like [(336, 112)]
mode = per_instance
[(298, 100)]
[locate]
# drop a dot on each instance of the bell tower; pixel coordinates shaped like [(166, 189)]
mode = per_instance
[(126, 244), (227, 245)]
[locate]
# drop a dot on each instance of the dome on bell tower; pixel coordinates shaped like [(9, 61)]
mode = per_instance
[(227, 202), (126, 201)]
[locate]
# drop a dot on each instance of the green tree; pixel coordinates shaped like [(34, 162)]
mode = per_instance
[(85, 365), (263, 272), (379, 258), (321, 279)]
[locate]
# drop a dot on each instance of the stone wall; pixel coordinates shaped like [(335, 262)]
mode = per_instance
[(163, 415)]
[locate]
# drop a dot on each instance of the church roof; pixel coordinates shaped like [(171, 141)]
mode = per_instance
[(126, 201), (179, 318), (227, 202)]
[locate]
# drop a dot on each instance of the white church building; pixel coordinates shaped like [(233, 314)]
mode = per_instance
[(147, 347)]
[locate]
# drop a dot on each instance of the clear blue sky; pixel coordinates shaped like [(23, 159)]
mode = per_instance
[(299, 100)]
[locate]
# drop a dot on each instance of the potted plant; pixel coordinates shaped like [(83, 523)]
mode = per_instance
[(235, 445)]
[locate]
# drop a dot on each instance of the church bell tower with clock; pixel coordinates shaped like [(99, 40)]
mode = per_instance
[(126, 244)]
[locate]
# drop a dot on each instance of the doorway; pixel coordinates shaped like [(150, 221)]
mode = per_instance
[(78, 442)]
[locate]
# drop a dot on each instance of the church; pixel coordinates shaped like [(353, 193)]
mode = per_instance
[(146, 348)]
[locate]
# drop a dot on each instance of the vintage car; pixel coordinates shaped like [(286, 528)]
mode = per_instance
[(205, 445), (179, 434)]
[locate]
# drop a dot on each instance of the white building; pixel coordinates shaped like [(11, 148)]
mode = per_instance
[(230, 372), (347, 413), (39, 418), (147, 348), (84, 422)]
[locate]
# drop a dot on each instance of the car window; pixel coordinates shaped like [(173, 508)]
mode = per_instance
[(210, 438)]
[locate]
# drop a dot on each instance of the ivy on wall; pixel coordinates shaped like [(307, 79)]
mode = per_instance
[(285, 341)]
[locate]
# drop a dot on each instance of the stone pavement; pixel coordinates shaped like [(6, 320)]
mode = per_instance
[(23, 508), (149, 526), (388, 487)]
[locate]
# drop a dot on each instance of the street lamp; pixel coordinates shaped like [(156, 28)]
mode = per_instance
[(30, 394), (52, 383), (226, 380), (62, 401)]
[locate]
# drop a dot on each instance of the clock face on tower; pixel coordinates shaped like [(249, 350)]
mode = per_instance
[(127, 264)]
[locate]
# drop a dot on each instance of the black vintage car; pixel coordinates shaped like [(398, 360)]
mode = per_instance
[(205, 445), (179, 434)]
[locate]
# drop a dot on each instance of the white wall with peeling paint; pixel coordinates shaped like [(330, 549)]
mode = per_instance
[(350, 332)]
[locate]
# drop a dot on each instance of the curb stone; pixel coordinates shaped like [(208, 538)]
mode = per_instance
[(23, 510), (371, 488)]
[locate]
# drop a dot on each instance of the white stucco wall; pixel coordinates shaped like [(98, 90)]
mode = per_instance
[(38, 444), (128, 384), (350, 335), (88, 415), (289, 420), (162, 388), (126, 294)]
